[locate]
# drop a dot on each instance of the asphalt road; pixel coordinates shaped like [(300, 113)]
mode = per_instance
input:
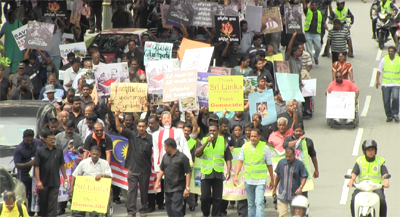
[(337, 149)]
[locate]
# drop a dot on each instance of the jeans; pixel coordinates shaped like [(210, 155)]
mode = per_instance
[(255, 200), (313, 39), (390, 97)]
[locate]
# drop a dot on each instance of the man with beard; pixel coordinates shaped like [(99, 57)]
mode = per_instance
[(21, 92), (68, 100), (129, 122), (20, 73), (76, 114), (120, 49)]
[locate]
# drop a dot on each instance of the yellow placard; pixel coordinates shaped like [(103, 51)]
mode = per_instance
[(225, 92), (276, 57), (91, 195), (129, 97)]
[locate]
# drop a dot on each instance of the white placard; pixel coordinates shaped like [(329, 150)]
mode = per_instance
[(65, 49), (19, 36), (199, 59), (61, 75), (340, 105), (309, 87)]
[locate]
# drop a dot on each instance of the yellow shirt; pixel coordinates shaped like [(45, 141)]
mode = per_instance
[(14, 212)]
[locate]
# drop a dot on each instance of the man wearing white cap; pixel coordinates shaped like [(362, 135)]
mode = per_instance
[(49, 91)]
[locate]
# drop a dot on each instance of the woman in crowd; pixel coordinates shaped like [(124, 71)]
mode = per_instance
[(343, 66), (243, 67)]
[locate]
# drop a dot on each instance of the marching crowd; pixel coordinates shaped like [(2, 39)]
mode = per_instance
[(164, 140)]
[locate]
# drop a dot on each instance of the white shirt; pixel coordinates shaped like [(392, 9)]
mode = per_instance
[(78, 76), (88, 168), (380, 69), (69, 76)]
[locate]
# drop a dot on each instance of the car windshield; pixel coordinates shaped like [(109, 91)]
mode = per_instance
[(108, 43), (11, 131)]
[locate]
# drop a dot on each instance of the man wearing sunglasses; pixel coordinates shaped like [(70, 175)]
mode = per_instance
[(99, 138)]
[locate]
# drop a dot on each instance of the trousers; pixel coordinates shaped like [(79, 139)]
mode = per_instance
[(255, 200), (133, 180), (28, 191), (382, 201), (174, 203), (96, 17), (159, 197), (313, 40), (217, 187), (390, 97), (48, 197)]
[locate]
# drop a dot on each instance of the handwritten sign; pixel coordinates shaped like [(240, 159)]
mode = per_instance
[(189, 44), (225, 92), (288, 85), (227, 28), (179, 84), (19, 36), (91, 195), (340, 105), (129, 97), (204, 15), (199, 59), (157, 51)]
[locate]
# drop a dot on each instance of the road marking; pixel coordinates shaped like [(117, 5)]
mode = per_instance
[(378, 55), (356, 146), (366, 106), (345, 191), (373, 78)]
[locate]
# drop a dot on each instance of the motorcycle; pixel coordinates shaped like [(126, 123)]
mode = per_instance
[(383, 27), (366, 203)]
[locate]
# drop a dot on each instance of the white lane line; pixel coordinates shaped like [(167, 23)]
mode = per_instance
[(373, 78), (356, 146), (345, 191), (366, 106), (378, 55)]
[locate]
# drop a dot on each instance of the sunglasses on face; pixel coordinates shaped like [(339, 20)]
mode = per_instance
[(339, 76), (98, 131)]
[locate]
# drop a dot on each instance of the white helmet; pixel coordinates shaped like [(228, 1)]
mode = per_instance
[(299, 202), (340, 1)]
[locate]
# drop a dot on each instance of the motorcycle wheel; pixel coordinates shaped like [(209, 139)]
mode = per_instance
[(381, 40)]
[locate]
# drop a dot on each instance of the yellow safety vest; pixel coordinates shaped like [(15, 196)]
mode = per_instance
[(213, 157), (342, 15), (309, 17), (191, 143), (254, 164), (370, 170), (386, 7), (391, 72)]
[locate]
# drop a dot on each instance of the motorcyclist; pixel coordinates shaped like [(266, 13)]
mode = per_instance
[(370, 167), (341, 13), (299, 207), (385, 6)]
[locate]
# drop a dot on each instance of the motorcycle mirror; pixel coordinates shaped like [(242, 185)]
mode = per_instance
[(387, 176), (347, 176)]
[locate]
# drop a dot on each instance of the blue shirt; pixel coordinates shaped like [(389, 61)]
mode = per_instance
[(290, 178), (24, 154)]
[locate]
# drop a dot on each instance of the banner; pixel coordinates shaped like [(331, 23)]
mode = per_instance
[(155, 72), (76, 12), (293, 18), (19, 36), (227, 28), (157, 51), (202, 88), (226, 92), (65, 49), (288, 85), (181, 12), (91, 195), (53, 8), (107, 74), (254, 13), (263, 104), (204, 15), (198, 59), (271, 20), (39, 35), (340, 105), (179, 84), (129, 97), (189, 44), (309, 87)]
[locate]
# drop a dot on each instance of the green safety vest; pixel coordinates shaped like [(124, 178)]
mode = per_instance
[(254, 164), (191, 143), (309, 17), (391, 72), (370, 170), (213, 157), (342, 15), (386, 8)]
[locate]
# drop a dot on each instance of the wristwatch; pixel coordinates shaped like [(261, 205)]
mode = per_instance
[(187, 188)]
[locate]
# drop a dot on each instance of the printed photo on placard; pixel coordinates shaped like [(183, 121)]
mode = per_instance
[(155, 71), (294, 21), (249, 83), (107, 74), (53, 8), (39, 35), (262, 109), (227, 28), (188, 104), (76, 11), (282, 66), (156, 99), (271, 20), (79, 52), (221, 70), (181, 11)]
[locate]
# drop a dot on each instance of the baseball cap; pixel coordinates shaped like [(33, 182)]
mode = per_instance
[(50, 89), (21, 65), (213, 117)]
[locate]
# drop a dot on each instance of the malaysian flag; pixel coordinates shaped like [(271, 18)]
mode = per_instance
[(118, 157)]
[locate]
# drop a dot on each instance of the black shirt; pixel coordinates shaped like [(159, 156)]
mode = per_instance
[(139, 152), (233, 58), (23, 154), (76, 119), (33, 71), (229, 140), (105, 144), (4, 85), (314, 22), (174, 168), (16, 94), (49, 163), (310, 145)]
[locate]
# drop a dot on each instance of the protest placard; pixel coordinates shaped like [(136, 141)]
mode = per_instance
[(164, 10), (340, 105), (225, 92), (107, 74), (91, 195), (202, 88), (65, 37), (221, 70), (204, 14), (157, 51), (39, 35), (275, 57), (179, 84), (288, 85), (19, 36), (293, 19), (249, 83), (271, 20), (227, 28), (189, 44), (65, 49), (188, 104), (181, 12), (76, 12), (282, 66), (309, 87), (254, 13), (263, 104), (61, 75), (226, 10), (70, 162), (51, 8), (156, 99), (198, 59), (129, 97), (155, 72)]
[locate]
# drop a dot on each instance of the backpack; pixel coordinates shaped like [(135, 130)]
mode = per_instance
[(21, 214)]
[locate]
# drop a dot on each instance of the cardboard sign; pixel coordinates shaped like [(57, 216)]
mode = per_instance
[(226, 10), (51, 8), (179, 84), (181, 12), (288, 85), (188, 104), (282, 66), (202, 88), (107, 74), (190, 44), (271, 20), (91, 195), (221, 70), (19, 36), (66, 36), (227, 28), (226, 92), (254, 13), (65, 49), (340, 105), (198, 59), (263, 104), (157, 51), (204, 14), (76, 12), (129, 97), (155, 72), (164, 10), (39, 35), (293, 18), (309, 87)]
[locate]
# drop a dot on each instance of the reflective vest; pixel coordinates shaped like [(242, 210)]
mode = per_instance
[(387, 7), (254, 164), (309, 17), (213, 157), (391, 72), (370, 170), (341, 15), (191, 143)]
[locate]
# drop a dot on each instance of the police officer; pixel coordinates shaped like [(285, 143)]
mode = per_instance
[(370, 167), (385, 6), (342, 12)]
